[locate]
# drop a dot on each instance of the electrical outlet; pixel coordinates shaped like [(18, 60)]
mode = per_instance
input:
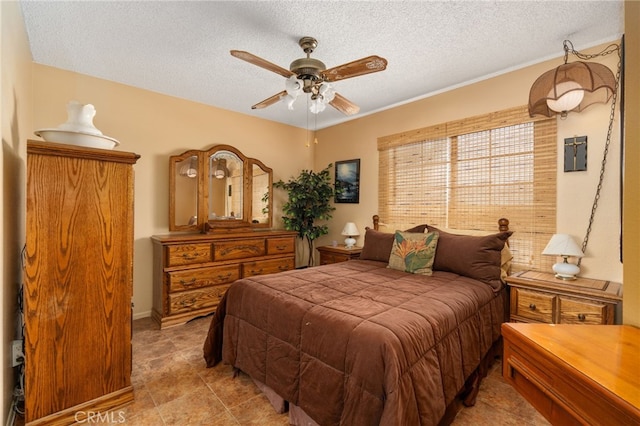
[(16, 353)]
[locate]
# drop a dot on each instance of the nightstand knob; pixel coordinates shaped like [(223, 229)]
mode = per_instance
[(532, 306), (581, 317)]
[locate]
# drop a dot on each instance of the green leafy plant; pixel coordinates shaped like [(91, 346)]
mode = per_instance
[(309, 201)]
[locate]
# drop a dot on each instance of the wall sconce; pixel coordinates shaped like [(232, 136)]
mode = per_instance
[(350, 230), (572, 86), (564, 246)]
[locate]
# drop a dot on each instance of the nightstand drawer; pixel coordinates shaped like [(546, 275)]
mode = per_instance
[(574, 311), (202, 277), (533, 305), (328, 258)]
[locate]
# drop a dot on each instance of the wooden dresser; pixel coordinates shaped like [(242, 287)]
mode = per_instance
[(576, 375), (78, 282), (540, 297), (192, 271)]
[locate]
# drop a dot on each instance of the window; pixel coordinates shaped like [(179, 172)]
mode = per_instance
[(466, 175)]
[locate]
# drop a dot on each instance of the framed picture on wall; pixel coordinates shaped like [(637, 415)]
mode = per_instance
[(347, 181)]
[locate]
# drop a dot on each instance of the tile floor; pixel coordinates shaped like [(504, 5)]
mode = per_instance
[(173, 387)]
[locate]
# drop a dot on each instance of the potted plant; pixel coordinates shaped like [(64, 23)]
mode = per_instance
[(309, 201)]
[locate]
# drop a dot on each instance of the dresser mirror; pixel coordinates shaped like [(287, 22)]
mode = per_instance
[(233, 191)]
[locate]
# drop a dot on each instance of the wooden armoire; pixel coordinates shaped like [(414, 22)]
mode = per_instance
[(78, 282)]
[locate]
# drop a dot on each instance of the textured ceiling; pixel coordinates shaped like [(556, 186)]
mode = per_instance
[(182, 48)]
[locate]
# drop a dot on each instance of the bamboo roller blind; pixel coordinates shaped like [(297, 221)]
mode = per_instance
[(467, 174)]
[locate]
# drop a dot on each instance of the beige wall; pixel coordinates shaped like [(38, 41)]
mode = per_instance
[(156, 126), (631, 225), (16, 124), (357, 139)]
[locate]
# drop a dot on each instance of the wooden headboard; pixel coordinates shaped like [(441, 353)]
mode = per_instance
[(503, 223)]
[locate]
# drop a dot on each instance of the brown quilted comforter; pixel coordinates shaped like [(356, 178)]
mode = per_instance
[(356, 343)]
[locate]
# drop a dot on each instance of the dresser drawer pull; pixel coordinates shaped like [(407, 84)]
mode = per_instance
[(532, 306), (191, 282), (254, 272), (188, 256), (283, 247), (582, 317), (283, 267), (187, 303), (224, 277)]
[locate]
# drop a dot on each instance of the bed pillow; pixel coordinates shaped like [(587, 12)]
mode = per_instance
[(477, 257), (413, 252), (377, 245)]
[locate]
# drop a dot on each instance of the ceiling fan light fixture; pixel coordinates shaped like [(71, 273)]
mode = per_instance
[(293, 86)]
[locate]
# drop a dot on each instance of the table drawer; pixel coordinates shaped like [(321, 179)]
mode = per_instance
[(281, 245), (263, 267), (574, 311), (202, 277), (238, 249), (192, 300), (534, 305), (188, 254)]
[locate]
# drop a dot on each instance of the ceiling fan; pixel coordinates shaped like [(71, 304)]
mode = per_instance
[(310, 75)]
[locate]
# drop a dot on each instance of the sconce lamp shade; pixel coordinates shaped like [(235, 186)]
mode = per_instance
[(564, 246), (350, 230), (571, 87)]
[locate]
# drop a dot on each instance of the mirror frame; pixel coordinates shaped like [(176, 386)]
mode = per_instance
[(203, 223)]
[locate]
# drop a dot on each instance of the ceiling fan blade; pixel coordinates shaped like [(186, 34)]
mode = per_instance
[(255, 60), (362, 66), (344, 105), (270, 101)]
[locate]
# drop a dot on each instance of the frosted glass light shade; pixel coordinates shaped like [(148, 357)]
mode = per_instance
[(572, 95), (350, 230)]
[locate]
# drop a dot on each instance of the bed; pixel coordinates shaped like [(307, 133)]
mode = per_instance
[(365, 342)]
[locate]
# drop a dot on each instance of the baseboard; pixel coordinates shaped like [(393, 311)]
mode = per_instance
[(140, 315)]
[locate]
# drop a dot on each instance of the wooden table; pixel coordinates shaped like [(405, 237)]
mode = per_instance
[(576, 374)]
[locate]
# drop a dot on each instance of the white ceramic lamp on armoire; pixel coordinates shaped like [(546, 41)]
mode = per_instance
[(563, 245), (350, 230)]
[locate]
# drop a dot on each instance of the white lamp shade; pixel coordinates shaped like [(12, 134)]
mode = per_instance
[(562, 245), (350, 230)]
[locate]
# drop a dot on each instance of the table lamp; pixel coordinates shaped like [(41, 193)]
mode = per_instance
[(564, 246), (350, 230)]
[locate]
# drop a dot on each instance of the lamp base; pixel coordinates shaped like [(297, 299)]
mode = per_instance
[(349, 242), (566, 271)]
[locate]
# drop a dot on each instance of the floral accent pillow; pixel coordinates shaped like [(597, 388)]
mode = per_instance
[(413, 252)]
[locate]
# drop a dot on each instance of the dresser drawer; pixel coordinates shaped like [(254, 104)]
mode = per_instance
[(202, 277), (263, 267), (574, 311), (329, 258), (196, 299), (281, 245), (533, 305), (188, 254), (238, 249)]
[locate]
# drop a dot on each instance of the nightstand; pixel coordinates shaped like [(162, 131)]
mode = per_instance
[(331, 254), (543, 298)]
